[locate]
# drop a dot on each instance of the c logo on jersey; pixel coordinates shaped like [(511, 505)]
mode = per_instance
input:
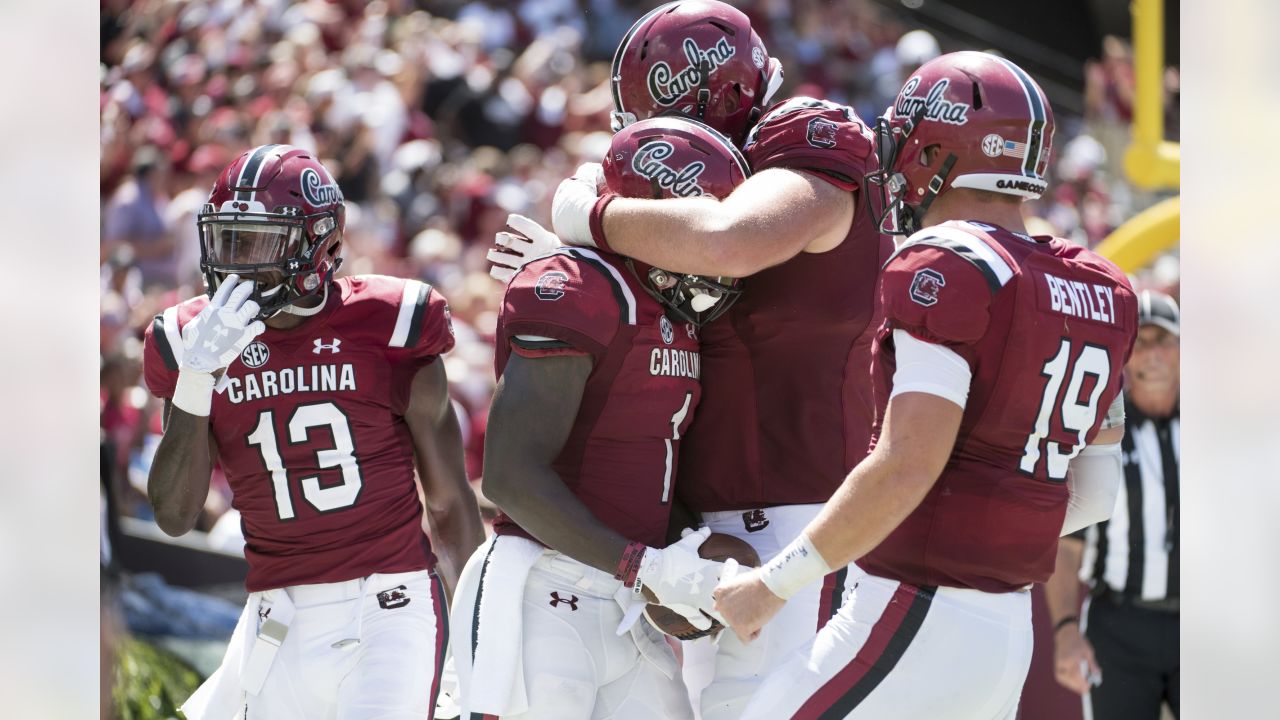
[(551, 285), (255, 355), (668, 332), (822, 133), (926, 285)]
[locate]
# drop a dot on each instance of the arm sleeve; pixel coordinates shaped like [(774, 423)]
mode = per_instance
[(929, 368), (816, 136), (563, 305), (1093, 481), (937, 296)]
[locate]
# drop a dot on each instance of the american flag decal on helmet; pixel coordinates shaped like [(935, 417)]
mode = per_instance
[(1015, 149)]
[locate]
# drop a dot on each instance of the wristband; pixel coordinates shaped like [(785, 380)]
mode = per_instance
[(795, 567), (629, 564), (1065, 622), (597, 221), (193, 393)]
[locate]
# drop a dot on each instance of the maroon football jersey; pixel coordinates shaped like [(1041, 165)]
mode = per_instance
[(620, 459), (310, 430), (787, 406), (1046, 327)]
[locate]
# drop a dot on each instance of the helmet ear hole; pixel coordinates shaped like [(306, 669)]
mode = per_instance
[(928, 155)]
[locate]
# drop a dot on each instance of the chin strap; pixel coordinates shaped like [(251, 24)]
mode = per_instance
[(917, 213), (295, 309), (704, 92)]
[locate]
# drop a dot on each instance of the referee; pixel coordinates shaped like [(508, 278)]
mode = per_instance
[(1126, 635)]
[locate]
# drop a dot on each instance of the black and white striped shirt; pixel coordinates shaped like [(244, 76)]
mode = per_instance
[(1135, 553)]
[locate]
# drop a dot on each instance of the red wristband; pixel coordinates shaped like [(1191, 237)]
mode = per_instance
[(629, 564), (597, 221)]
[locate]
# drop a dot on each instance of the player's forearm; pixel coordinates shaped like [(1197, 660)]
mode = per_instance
[(457, 531), (178, 482), (452, 510), (873, 500), (538, 500), (684, 235), (1062, 591)]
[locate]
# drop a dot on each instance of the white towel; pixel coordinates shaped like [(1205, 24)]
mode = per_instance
[(489, 611), (220, 697)]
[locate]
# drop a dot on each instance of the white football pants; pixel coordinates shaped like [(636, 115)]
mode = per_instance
[(739, 668), (365, 649), (899, 652), (575, 665)]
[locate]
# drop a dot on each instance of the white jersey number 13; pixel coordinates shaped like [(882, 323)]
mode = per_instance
[(342, 455)]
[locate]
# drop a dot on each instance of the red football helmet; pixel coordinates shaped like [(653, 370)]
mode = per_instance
[(277, 214), (698, 58), (668, 157), (990, 123)]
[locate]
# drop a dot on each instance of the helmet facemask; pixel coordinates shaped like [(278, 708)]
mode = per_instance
[(897, 216), (692, 298), (273, 250)]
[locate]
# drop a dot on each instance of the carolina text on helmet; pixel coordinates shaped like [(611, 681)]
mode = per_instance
[(648, 163), (304, 378), (935, 106), (667, 87), (316, 191)]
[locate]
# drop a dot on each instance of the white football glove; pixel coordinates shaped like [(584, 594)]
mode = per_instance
[(530, 241), (571, 207), (681, 579), (212, 340)]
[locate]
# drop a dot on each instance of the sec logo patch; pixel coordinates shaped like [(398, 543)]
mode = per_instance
[(551, 285), (255, 355), (926, 285), (668, 332)]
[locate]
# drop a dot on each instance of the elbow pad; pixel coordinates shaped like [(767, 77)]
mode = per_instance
[(1094, 482)]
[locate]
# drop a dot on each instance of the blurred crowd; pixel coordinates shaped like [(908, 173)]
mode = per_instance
[(438, 118)]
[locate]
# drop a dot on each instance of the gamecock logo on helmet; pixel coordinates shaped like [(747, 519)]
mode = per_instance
[(926, 285), (648, 163), (934, 105), (667, 86)]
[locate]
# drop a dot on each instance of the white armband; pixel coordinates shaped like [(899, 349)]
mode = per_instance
[(1094, 481), (929, 368), (795, 567), (193, 392)]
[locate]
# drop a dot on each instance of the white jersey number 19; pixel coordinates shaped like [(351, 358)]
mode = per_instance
[(1076, 416)]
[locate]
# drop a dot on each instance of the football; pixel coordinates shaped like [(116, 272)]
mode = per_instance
[(716, 547)]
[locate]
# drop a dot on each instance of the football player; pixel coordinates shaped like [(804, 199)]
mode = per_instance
[(319, 397), (998, 373), (599, 372), (787, 406)]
